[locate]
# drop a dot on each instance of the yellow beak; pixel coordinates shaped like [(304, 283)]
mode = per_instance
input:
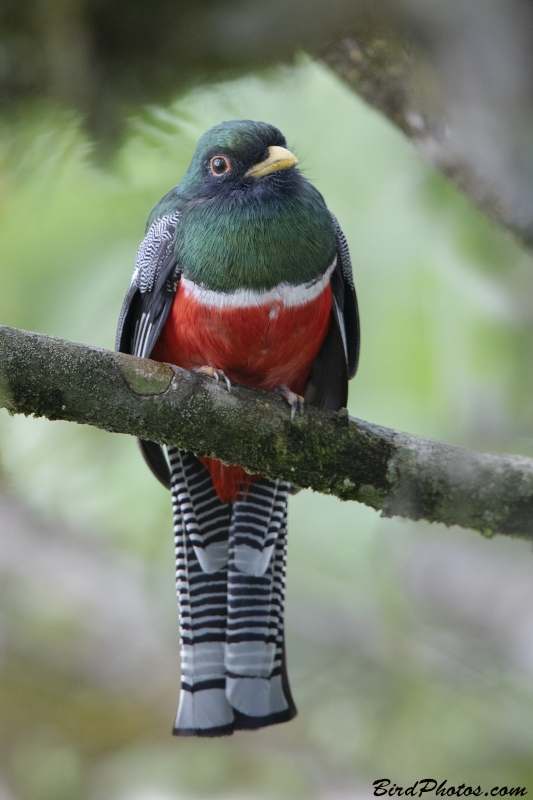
[(278, 158)]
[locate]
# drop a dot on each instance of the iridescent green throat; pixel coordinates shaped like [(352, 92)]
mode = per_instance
[(227, 244)]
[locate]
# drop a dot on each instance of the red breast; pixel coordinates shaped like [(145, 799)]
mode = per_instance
[(262, 345)]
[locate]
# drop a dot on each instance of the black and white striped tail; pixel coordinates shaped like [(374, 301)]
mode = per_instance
[(230, 578)]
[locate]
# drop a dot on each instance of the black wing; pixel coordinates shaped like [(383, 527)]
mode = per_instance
[(145, 309), (338, 357)]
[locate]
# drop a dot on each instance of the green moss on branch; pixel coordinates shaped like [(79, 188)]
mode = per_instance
[(394, 472)]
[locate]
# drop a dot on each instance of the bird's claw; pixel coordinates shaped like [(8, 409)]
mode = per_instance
[(292, 399), (217, 374)]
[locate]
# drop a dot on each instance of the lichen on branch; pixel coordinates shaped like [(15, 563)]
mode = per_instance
[(395, 473)]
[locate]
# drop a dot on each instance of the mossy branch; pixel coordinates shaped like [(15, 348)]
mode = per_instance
[(393, 472)]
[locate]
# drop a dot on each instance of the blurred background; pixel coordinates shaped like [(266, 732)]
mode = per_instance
[(410, 646)]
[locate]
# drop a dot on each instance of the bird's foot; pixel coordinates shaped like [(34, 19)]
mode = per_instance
[(292, 399), (217, 374)]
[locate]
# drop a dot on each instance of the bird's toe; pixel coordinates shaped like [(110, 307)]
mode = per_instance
[(217, 374), (293, 399)]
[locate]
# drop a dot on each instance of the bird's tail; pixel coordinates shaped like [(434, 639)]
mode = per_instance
[(231, 585)]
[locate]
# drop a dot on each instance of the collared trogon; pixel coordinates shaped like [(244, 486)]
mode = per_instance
[(245, 275)]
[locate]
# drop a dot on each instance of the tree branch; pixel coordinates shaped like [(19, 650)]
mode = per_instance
[(423, 68), (393, 472)]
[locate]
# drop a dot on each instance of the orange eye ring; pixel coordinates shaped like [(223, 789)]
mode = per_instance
[(220, 165)]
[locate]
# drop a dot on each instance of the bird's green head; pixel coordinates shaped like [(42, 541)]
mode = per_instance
[(248, 217), (235, 156)]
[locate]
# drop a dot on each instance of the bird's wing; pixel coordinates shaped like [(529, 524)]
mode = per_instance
[(338, 357), (145, 309)]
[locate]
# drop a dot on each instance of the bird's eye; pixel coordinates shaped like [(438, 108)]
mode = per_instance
[(219, 165)]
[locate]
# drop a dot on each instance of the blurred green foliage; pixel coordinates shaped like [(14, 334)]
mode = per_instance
[(392, 679)]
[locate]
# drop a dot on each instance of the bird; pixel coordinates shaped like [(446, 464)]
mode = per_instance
[(244, 275)]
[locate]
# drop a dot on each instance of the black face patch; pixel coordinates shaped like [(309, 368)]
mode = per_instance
[(224, 155), (244, 147)]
